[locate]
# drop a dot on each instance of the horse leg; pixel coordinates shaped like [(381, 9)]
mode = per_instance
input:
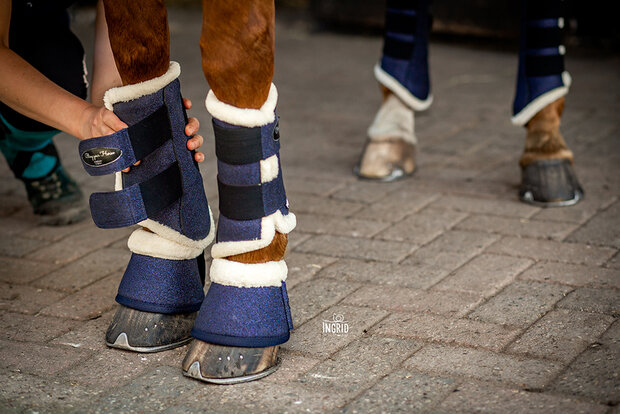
[(162, 287), (402, 73), (245, 314), (548, 178)]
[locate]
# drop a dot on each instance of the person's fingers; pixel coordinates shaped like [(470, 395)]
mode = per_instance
[(112, 121), (195, 142), (192, 126), (187, 103), (199, 156)]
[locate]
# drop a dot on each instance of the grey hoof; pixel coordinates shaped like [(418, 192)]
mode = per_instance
[(139, 331), (218, 364), (550, 183)]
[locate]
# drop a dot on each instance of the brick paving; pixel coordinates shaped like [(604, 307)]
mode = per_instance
[(457, 297)]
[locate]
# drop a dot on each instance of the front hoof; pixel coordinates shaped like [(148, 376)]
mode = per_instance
[(139, 331), (219, 364), (386, 160), (550, 183)]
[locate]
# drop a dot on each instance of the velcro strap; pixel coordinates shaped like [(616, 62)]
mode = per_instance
[(538, 37), (541, 9), (397, 49), (403, 4), (238, 146), (136, 203), (251, 201), (400, 23), (544, 65), (122, 149)]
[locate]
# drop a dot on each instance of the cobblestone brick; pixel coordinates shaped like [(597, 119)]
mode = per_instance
[(402, 392), (38, 328), (579, 213), (485, 274), (453, 304), (520, 304), (574, 275), (485, 206), (482, 398), (26, 299), (598, 231), (309, 298), (356, 248), (361, 363), (12, 226), (38, 359), (56, 233), (396, 207), (20, 271), (415, 276), (552, 251), (561, 335), (302, 203), (310, 339), (89, 302), (594, 373), (435, 328), (86, 270), (593, 300), (521, 227), (366, 191), (89, 334), (452, 249), (306, 185), (79, 244), (422, 227), (303, 267), (483, 365), (291, 368), (339, 226), (16, 246)]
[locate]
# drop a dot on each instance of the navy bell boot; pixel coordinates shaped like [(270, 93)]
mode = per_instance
[(162, 287), (245, 314)]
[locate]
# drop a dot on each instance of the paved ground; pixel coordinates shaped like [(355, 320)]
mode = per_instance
[(455, 296)]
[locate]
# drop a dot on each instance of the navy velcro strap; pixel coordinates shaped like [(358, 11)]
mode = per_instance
[(238, 146), (252, 201), (400, 23), (544, 65), (136, 203), (120, 150), (539, 37), (541, 9), (397, 49)]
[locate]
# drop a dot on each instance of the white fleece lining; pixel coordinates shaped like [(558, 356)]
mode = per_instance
[(130, 92), (229, 273), (269, 169), (277, 221), (394, 120), (150, 244), (243, 116), (399, 90), (531, 109)]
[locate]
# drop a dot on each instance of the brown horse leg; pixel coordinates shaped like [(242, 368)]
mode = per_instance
[(389, 152), (139, 39), (548, 178), (237, 45)]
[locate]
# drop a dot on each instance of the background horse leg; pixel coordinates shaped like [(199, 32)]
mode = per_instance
[(238, 337), (162, 288), (548, 178), (402, 72)]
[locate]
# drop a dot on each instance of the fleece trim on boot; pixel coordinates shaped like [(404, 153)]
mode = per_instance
[(534, 107), (243, 116), (230, 273), (399, 90)]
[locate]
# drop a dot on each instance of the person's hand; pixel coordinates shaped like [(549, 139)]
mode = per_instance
[(97, 121)]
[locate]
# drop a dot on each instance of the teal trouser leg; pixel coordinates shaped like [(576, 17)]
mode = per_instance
[(23, 151)]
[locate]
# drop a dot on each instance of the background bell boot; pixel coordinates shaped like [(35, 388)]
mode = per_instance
[(547, 175), (162, 287)]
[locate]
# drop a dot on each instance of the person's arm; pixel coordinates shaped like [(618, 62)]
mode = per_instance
[(29, 92)]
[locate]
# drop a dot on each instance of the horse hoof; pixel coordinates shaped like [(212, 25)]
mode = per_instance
[(386, 160), (139, 331), (550, 183), (219, 364)]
